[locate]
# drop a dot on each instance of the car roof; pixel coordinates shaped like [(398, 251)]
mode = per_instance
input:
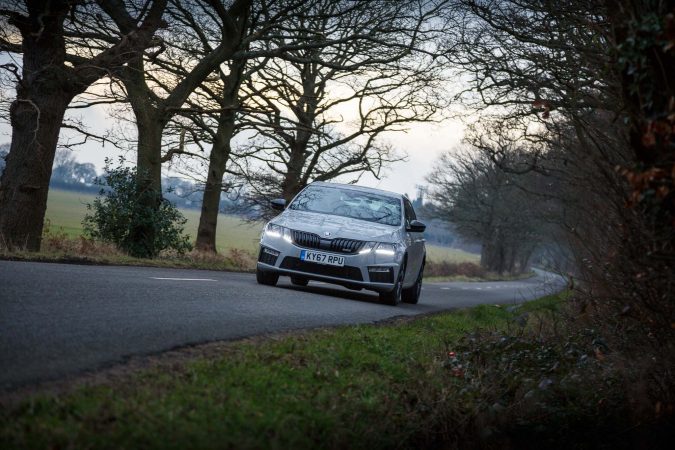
[(354, 187)]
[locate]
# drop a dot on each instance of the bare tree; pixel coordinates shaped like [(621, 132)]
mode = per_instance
[(379, 71), (490, 206), (335, 38), (212, 109), (209, 116), (206, 36), (154, 105), (220, 136), (51, 75), (590, 83)]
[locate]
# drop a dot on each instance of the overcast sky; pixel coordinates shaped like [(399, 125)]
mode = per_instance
[(424, 143)]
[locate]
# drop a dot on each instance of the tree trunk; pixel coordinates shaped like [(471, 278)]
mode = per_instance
[(149, 181), (42, 97), (46, 87), (291, 185), (149, 128), (149, 152), (510, 260), (524, 260), (293, 179), (305, 111), (220, 154), (492, 252), (152, 115), (36, 121)]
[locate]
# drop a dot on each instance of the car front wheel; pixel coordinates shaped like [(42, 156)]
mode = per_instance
[(413, 293), (393, 297), (266, 277)]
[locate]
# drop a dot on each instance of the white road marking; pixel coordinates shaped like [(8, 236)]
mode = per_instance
[(445, 288), (183, 279)]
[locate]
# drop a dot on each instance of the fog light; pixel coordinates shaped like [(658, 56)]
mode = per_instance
[(379, 274), (270, 252), (268, 256)]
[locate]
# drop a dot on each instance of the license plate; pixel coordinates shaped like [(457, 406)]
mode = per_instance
[(322, 258)]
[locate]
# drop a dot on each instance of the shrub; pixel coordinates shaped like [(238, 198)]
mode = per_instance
[(124, 206)]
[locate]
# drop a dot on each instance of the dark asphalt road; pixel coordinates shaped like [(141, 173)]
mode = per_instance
[(58, 319)]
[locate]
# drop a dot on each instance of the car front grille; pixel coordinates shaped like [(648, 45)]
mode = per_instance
[(339, 245), (346, 272), (309, 240)]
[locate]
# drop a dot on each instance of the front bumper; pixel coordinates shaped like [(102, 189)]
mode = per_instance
[(366, 271)]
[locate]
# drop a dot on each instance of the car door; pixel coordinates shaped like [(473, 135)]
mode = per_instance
[(415, 244)]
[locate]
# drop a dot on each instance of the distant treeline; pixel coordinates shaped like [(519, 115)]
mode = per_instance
[(442, 233), (71, 175)]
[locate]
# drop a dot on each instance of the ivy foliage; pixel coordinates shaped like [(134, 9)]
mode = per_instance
[(125, 213)]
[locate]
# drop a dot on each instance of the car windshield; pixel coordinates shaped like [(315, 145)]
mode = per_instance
[(349, 203)]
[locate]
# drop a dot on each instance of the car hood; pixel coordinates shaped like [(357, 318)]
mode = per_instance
[(337, 226)]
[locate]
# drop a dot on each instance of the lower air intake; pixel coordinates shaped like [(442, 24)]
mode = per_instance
[(346, 272)]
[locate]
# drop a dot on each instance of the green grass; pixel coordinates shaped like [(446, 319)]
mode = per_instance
[(65, 211), (365, 386)]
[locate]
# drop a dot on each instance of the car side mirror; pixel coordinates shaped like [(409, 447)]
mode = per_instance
[(279, 203), (416, 226)]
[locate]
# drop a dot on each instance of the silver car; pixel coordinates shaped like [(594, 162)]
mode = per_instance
[(357, 237)]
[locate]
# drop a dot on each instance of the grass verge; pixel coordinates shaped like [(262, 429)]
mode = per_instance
[(463, 379), (237, 261), (61, 248)]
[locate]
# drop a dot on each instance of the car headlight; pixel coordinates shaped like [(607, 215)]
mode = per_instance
[(367, 248), (278, 232), (385, 249), (380, 248)]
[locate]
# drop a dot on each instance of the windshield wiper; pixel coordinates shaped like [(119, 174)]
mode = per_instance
[(382, 217)]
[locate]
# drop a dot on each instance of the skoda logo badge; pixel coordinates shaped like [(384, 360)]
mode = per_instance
[(326, 233)]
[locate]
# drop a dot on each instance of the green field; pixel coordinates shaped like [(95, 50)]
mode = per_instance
[(438, 254), (66, 209)]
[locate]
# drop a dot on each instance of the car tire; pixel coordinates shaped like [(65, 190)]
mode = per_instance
[(299, 281), (412, 294), (266, 277), (393, 297)]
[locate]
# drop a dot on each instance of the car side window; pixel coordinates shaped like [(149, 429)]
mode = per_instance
[(409, 211)]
